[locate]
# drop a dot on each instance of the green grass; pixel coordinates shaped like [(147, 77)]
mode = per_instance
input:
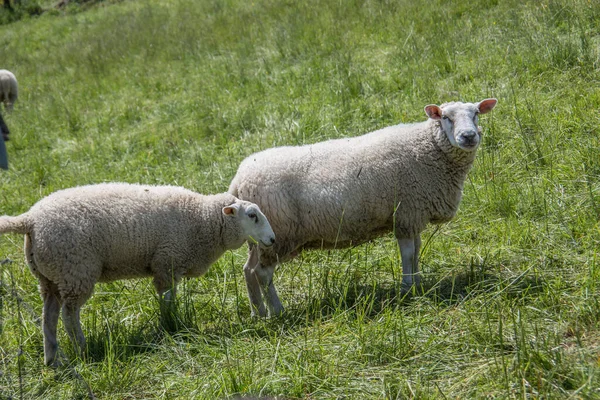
[(179, 92)]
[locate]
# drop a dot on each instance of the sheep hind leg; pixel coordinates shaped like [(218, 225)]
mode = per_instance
[(50, 316), (409, 251), (71, 320), (52, 303)]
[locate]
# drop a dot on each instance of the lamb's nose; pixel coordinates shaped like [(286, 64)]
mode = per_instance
[(272, 240)]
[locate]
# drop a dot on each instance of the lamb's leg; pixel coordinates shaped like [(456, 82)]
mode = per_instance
[(166, 275), (50, 315), (51, 311), (253, 283), (166, 287), (409, 251), (70, 310)]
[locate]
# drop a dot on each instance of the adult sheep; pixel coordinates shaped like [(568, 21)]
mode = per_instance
[(343, 192), (8, 89), (99, 233)]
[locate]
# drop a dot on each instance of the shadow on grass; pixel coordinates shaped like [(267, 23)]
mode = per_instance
[(373, 299), (112, 338)]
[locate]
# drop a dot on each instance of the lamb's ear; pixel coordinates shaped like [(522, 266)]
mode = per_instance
[(232, 210), (486, 105), (433, 112)]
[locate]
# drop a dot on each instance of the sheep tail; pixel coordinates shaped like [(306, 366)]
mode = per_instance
[(17, 224)]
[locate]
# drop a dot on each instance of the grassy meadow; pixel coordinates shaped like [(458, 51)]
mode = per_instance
[(180, 91)]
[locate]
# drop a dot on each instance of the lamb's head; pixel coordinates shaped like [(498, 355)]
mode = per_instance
[(251, 223), (459, 121)]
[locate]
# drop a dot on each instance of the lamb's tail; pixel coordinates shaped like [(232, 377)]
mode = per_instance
[(19, 224)]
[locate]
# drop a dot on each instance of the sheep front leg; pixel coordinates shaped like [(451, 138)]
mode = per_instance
[(253, 283), (409, 251), (265, 273), (259, 282), (166, 287)]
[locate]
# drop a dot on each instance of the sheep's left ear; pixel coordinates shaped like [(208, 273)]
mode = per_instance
[(232, 210), (486, 105), (433, 112)]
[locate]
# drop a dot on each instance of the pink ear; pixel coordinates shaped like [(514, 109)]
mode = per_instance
[(486, 105), (230, 210), (433, 112)]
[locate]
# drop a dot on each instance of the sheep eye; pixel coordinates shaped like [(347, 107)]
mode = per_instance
[(253, 216), (445, 118)]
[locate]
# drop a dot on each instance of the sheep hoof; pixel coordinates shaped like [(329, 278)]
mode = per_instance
[(258, 313), (276, 312), (411, 289)]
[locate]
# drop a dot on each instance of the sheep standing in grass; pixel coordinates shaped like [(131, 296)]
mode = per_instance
[(8, 89), (98, 233), (343, 192)]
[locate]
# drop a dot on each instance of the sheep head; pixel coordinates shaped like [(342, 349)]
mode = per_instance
[(252, 224), (459, 121)]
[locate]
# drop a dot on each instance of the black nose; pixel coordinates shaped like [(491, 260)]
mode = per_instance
[(272, 240)]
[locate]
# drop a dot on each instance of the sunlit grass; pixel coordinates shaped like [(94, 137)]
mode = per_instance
[(179, 92)]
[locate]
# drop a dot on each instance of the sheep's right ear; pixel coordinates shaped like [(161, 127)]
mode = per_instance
[(485, 106), (232, 210), (433, 112)]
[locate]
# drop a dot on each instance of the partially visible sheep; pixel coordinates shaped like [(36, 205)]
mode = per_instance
[(98, 233), (8, 89), (343, 192)]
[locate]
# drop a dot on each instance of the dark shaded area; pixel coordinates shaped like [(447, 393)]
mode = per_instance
[(12, 11), (374, 298), (4, 129)]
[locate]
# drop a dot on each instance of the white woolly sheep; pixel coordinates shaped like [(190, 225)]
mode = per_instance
[(8, 89), (343, 192), (99, 233)]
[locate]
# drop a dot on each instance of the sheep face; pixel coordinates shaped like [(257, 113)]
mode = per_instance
[(254, 226), (459, 121)]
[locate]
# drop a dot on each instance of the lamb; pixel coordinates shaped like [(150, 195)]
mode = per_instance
[(8, 89), (99, 233), (344, 192)]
